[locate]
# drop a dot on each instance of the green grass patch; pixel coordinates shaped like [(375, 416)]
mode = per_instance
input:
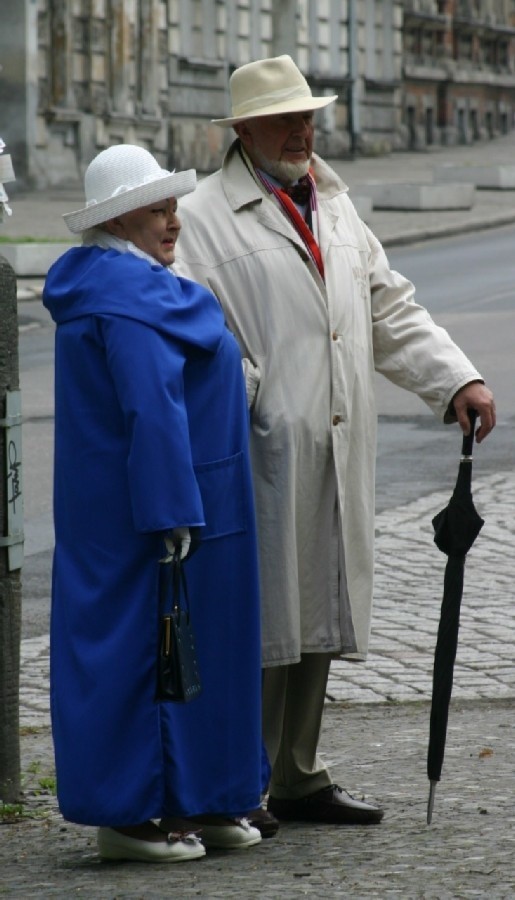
[(48, 784), (33, 240), (36, 782), (11, 812), (31, 729)]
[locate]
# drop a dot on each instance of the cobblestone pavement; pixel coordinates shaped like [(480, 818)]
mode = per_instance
[(468, 851), (377, 715)]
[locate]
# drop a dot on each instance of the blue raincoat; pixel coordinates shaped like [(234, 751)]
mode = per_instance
[(150, 433)]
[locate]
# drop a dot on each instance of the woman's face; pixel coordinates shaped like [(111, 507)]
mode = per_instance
[(153, 229)]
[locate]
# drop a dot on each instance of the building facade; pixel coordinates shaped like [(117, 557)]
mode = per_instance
[(79, 75), (458, 70)]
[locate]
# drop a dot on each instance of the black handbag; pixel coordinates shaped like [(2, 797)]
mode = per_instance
[(178, 678)]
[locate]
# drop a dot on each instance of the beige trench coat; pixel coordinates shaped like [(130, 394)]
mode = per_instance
[(311, 350)]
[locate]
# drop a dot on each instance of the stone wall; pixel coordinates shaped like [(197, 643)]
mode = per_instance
[(458, 70), (79, 75)]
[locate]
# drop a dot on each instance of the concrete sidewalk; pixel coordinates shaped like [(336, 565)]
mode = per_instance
[(377, 715)]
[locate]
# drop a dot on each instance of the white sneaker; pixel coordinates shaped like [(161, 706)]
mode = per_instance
[(113, 844), (226, 833)]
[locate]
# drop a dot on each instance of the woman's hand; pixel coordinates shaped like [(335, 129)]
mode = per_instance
[(177, 541)]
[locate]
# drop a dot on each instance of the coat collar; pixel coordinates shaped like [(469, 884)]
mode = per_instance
[(328, 183), (239, 186)]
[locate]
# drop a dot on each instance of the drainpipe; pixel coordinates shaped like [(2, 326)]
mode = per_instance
[(352, 98)]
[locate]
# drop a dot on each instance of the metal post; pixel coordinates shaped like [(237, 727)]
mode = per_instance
[(352, 100), (11, 538)]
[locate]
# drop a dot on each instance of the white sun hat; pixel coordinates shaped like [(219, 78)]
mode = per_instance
[(123, 178), (270, 87)]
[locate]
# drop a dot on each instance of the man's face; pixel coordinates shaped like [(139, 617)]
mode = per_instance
[(281, 145)]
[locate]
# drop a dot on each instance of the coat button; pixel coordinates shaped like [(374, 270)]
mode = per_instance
[(335, 335), (337, 420)]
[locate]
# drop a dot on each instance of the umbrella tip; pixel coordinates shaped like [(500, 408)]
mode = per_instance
[(431, 801)]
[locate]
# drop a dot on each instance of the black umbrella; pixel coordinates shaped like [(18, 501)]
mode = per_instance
[(456, 528)]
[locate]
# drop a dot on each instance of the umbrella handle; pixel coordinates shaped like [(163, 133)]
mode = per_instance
[(468, 439)]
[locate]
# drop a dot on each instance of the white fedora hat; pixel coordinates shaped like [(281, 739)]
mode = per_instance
[(123, 178), (270, 87)]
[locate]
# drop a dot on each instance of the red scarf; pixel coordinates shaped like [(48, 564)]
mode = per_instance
[(296, 217)]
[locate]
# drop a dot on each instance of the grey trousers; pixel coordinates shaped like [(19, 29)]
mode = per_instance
[(293, 704)]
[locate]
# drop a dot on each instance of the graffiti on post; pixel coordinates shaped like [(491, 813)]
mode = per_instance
[(13, 540), (13, 475)]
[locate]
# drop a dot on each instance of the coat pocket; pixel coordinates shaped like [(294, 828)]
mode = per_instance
[(224, 496)]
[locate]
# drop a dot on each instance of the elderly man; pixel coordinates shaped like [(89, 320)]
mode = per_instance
[(308, 291)]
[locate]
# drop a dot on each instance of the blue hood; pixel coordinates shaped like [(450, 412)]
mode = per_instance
[(92, 281)]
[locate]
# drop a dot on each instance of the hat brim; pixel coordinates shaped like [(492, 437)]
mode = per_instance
[(175, 184), (299, 104)]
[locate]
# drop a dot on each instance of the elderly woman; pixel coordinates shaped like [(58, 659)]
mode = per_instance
[(150, 443)]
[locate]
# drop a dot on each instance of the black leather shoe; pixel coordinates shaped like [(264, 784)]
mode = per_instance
[(331, 805), (264, 821)]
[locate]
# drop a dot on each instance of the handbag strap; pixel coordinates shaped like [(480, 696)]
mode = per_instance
[(179, 582), (173, 575)]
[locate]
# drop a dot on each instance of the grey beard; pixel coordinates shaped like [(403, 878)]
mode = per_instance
[(285, 172)]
